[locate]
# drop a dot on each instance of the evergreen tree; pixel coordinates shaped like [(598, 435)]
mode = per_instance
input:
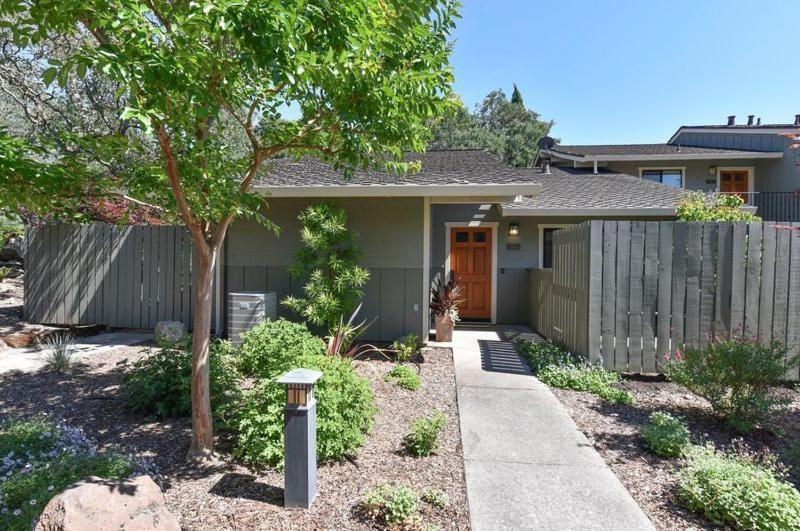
[(516, 96)]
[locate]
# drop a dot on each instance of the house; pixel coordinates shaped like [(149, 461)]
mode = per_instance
[(465, 211), (754, 160)]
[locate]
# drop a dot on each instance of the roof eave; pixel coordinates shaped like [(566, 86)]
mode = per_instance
[(672, 156), (494, 191), (722, 129)]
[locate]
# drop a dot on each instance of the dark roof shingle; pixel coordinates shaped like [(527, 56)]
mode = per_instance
[(639, 149)]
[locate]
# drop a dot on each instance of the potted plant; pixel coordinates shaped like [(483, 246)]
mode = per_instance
[(445, 298)]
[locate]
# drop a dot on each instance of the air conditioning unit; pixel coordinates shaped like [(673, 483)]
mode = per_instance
[(246, 309)]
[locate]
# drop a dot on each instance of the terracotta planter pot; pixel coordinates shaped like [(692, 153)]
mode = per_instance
[(444, 328)]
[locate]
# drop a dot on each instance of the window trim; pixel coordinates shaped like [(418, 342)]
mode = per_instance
[(682, 169), (543, 226)]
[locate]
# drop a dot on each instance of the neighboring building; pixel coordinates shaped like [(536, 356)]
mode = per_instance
[(755, 160), (466, 211)]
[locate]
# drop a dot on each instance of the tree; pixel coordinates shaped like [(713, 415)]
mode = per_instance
[(365, 77), (701, 206), (516, 96), (499, 126), (328, 264)]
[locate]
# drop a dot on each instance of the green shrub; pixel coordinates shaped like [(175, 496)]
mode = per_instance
[(4, 273), (40, 459), (582, 376), (160, 383), (406, 350), (701, 206), (405, 377), (59, 349), (739, 377), (541, 354), (435, 498), (737, 489), (665, 435), (793, 456), (344, 411), (423, 438), (397, 505), (272, 347)]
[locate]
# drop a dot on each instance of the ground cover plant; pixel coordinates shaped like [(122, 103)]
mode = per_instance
[(554, 366), (159, 383), (59, 349), (738, 488), (405, 350), (405, 377), (393, 505), (740, 377), (666, 435), (40, 458), (423, 438)]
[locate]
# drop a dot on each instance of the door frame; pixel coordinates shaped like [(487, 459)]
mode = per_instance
[(494, 225), (750, 178)]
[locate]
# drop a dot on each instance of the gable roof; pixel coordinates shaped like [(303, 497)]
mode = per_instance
[(579, 192), (635, 152), (446, 172)]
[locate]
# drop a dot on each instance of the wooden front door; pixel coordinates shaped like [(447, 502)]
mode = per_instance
[(471, 263), (734, 182)]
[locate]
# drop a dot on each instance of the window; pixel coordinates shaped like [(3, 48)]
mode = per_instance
[(547, 246), (670, 177), (462, 237)]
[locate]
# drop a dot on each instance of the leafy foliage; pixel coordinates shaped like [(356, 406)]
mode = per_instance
[(344, 410), (738, 489), (59, 351), (396, 505), (159, 383), (406, 350), (435, 498), (328, 264), (405, 377), (505, 128), (701, 206), (666, 435), (423, 438), (739, 377), (445, 297), (5, 272), (40, 459), (343, 339), (270, 348), (556, 367)]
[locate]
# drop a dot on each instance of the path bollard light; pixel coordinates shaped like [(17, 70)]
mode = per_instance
[(300, 438)]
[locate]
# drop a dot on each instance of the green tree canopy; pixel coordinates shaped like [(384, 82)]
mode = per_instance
[(516, 96), (207, 83), (507, 129)]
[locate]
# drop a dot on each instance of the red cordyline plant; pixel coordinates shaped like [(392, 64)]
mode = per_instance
[(343, 340), (446, 296)]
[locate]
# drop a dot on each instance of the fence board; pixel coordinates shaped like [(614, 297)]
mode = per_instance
[(608, 321), (623, 290), (708, 270), (649, 295), (664, 291), (753, 280), (793, 310), (694, 242), (636, 294), (767, 283), (738, 275), (780, 307), (678, 330), (723, 284)]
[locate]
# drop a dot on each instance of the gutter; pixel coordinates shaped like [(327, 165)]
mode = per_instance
[(402, 190), (672, 156), (589, 212)]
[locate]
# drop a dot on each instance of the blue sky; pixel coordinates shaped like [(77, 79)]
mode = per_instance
[(625, 71)]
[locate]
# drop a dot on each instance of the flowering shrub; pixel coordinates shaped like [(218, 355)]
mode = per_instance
[(556, 367), (700, 206), (666, 435), (738, 488), (739, 377), (41, 458)]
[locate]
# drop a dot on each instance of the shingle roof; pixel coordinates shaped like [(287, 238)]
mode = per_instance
[(438, 168), (743, 126), (579, 189), (639, 149)]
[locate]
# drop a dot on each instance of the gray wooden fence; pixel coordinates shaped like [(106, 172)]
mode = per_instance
[(132, 276), (651, 287)]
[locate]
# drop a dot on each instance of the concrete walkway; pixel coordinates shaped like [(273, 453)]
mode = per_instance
[(33, 359), (527, 465)]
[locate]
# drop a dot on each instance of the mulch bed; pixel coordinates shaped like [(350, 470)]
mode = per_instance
[(230, 496), (651, 480)]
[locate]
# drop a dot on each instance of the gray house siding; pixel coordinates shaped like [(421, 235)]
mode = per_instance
[(390, 234)]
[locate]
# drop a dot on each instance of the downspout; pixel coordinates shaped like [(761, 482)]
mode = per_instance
[(595, 167)]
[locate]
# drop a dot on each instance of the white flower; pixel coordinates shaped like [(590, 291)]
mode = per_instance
[(17, 512), (32, 502), (50, 487)]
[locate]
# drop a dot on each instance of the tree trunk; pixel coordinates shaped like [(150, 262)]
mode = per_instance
[(202, 429)]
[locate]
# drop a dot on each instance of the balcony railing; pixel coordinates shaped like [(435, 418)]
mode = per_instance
[(775, 206)]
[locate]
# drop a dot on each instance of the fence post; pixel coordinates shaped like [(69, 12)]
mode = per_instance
[(594, 299)]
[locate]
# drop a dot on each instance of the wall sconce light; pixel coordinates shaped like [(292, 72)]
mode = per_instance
[(513, 229), (712, 170)]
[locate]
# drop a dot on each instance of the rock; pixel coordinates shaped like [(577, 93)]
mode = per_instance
[(20, 340), (171, 331), (103, 505)]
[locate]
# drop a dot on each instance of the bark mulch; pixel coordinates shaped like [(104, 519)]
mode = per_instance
[(651, 480), (230, 496)]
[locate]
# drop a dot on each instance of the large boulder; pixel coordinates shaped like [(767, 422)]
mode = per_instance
[(171, 331), (102, 505)]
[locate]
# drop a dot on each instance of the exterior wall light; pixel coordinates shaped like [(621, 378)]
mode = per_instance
[(513, 229), (712, 170), (300, 438)]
